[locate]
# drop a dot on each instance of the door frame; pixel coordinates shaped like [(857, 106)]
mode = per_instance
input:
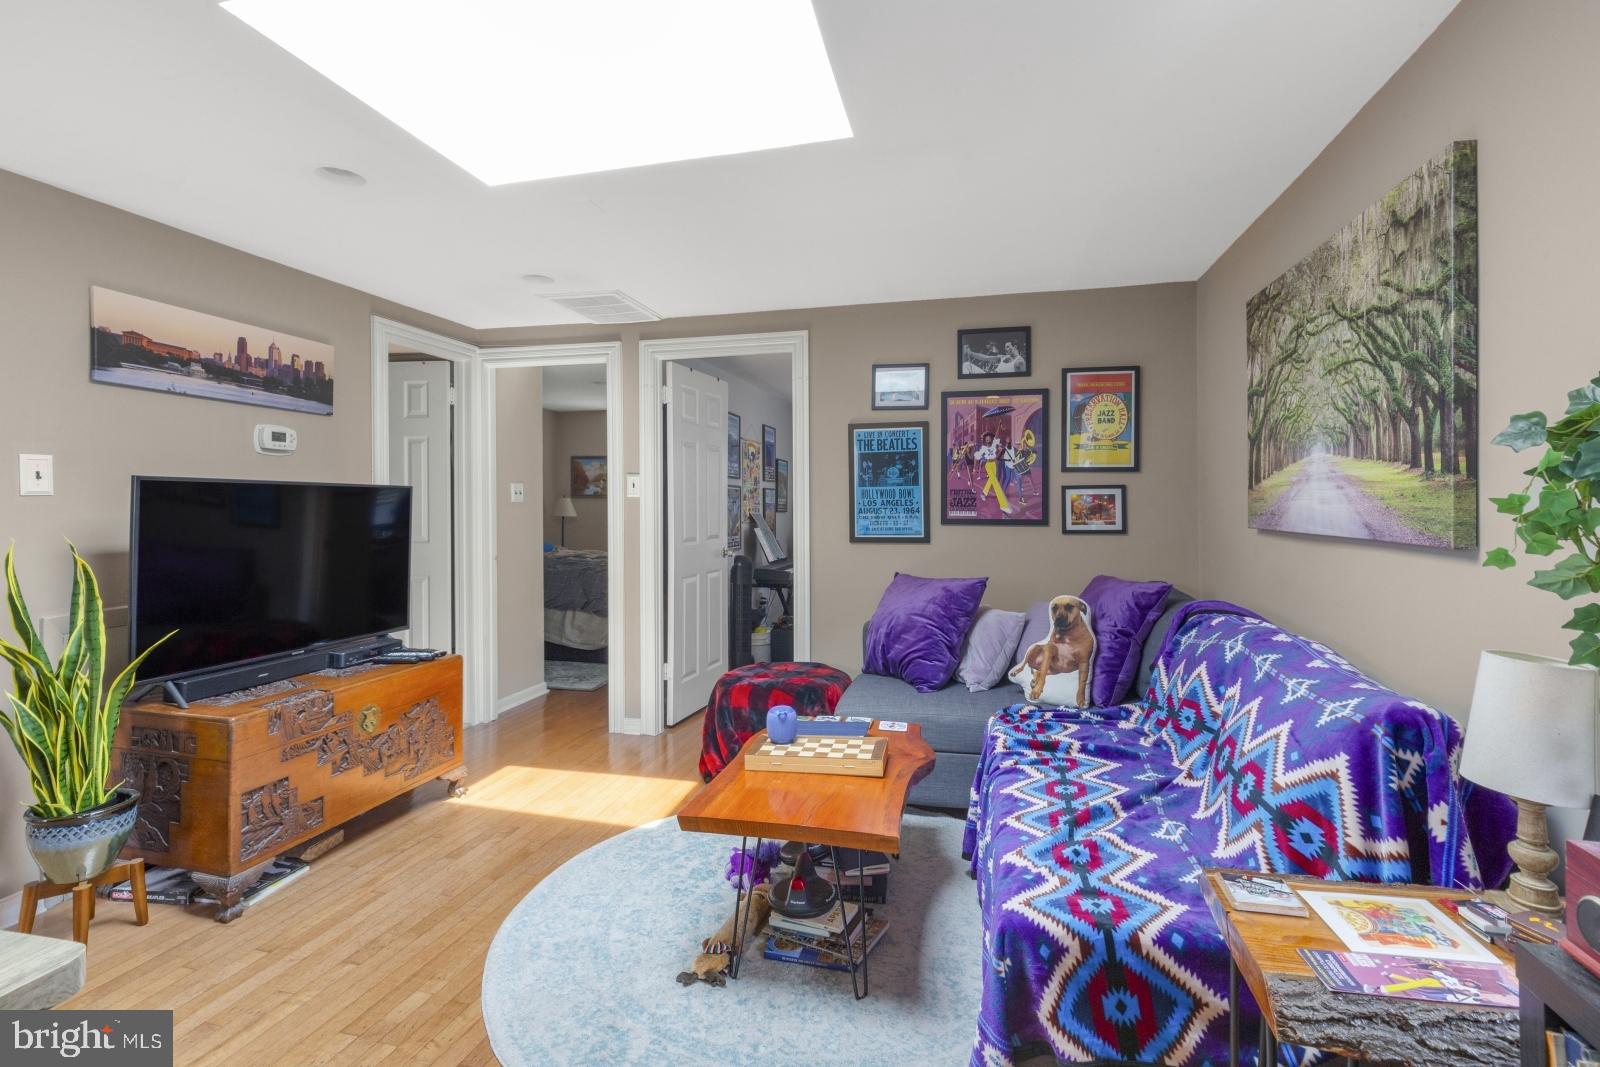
[(600, 353), (467, 609), (653, 354)]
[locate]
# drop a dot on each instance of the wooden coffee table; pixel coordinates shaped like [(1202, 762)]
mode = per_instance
[(837, 810), (1299, 1010)]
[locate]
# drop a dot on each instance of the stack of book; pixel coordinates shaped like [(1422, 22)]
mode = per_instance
[(854, 865), (1259, 892), (1567, 1049), (821, 942), (1494, 924), (171, 885)]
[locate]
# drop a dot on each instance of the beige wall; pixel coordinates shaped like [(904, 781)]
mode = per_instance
[(568, 434), (55, 246), (1149, 325), (519, 529), (1522, 80)]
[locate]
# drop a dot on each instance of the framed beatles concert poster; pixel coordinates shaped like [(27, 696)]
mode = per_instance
[(1100, 418), (889, 482), (994, 458)]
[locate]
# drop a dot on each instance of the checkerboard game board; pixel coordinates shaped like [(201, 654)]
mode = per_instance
[(860, 756)]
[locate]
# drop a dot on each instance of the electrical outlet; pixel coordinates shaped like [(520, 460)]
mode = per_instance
[(519, 492), (36, 475)]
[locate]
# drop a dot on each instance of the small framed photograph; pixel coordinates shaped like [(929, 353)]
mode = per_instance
[(998, 352), (1094, 509), (1100, 418), (733, 447), (889, 482), (769, 453), (783, 485), (588, 476), (899, 386)]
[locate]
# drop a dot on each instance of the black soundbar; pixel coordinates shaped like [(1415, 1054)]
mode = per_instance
[(203, 685)]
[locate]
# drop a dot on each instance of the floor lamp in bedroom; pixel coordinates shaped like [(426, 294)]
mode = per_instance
[(565, 511)]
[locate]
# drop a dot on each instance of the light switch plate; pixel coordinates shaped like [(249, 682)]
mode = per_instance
[(36, 474), (633, 485), (519, 492)]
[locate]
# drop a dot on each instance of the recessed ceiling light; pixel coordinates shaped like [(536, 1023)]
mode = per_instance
[(639, 81), (341, 175), (538, 279)]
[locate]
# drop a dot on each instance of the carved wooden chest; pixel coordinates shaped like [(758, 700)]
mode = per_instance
[(231, 782)]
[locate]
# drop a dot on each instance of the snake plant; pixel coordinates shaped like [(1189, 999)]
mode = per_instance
[(61, 716)]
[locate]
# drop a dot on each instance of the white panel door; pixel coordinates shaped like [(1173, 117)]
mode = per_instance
[(419, 456), (697, 564)]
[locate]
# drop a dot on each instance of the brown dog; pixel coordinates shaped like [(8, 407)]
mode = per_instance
[(1069, 646)]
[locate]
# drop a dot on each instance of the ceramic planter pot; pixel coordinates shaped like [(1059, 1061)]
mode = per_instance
[(75, 848)]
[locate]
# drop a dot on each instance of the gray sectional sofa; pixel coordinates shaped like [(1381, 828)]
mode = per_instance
[(954, 720)]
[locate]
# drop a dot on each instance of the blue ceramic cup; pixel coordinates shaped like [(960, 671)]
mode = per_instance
[(782, 725)]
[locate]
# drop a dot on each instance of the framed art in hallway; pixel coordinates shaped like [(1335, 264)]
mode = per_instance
[(899, 386), (1361, 365), (750, 477), (996, 352), (145, 344), (769, 507), (783, 485), (588, 476), (735, 519), (889, 482), (769, 453), (1094, 509), (1100, 418), (994, 458), (733, 447)]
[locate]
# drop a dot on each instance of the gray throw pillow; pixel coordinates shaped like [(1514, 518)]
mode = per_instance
[(991, 642)]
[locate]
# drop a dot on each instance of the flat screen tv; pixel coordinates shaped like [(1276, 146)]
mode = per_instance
[(249, 571)]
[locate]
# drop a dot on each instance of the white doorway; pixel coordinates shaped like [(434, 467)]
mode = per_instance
[(421, 443), (602, 361), (655, 356), (697, 552)]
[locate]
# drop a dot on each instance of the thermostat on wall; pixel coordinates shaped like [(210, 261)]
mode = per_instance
[(275, 440)]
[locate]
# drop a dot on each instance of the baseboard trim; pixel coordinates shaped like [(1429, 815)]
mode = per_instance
[(517, 699), (11, 908)]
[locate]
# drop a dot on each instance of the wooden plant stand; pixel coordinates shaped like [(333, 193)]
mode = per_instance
[(83, 897)]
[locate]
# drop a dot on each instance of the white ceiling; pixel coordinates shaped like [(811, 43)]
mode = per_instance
[(581, 388), (1026, 146)]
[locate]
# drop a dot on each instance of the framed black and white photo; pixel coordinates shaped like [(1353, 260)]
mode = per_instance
[(889, 482), (1094, 509), (899, 386), (995, 352), (769, 453), (733, 447)]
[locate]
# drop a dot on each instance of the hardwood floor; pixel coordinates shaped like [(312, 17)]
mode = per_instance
[(376, 956)]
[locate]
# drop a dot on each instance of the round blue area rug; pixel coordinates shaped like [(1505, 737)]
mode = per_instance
[(584, 969)]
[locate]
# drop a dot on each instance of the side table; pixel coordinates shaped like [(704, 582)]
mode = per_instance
[(1297, 1009)]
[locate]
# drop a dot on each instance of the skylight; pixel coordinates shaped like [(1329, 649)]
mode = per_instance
[(516, 90)]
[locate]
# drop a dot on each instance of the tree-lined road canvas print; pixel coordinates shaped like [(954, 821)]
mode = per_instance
[(1363, 372)]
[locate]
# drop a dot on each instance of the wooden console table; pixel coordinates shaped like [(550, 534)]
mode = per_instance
[(228, 783)]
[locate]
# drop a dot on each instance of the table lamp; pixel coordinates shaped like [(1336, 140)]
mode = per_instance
[(565, 511), (1532, 737)]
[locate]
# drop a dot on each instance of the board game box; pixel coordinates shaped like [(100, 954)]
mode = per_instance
[(863, 757)]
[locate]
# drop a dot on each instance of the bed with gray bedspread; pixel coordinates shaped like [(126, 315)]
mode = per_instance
[(575, 597)]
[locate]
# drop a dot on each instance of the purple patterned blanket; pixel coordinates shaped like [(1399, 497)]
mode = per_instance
[(1253, 747)]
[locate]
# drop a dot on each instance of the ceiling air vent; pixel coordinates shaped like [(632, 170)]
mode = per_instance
[(608, 308)]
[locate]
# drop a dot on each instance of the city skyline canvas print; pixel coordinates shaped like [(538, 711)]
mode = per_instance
[(140, 343)]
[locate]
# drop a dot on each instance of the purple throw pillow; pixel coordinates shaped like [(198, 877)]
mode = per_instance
[(1123, 614), (916, 633), (989, 649)]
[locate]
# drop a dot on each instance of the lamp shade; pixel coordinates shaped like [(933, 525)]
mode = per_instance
[(1532, 730), (564, 508)]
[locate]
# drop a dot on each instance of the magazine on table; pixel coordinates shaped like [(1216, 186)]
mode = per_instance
[(1484, 985), (1396, 926), (1255, 892), (826, 952)]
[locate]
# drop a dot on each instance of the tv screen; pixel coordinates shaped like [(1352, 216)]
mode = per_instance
[(248, 570)]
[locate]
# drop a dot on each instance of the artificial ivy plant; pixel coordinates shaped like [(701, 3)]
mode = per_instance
[(1562, 514)]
